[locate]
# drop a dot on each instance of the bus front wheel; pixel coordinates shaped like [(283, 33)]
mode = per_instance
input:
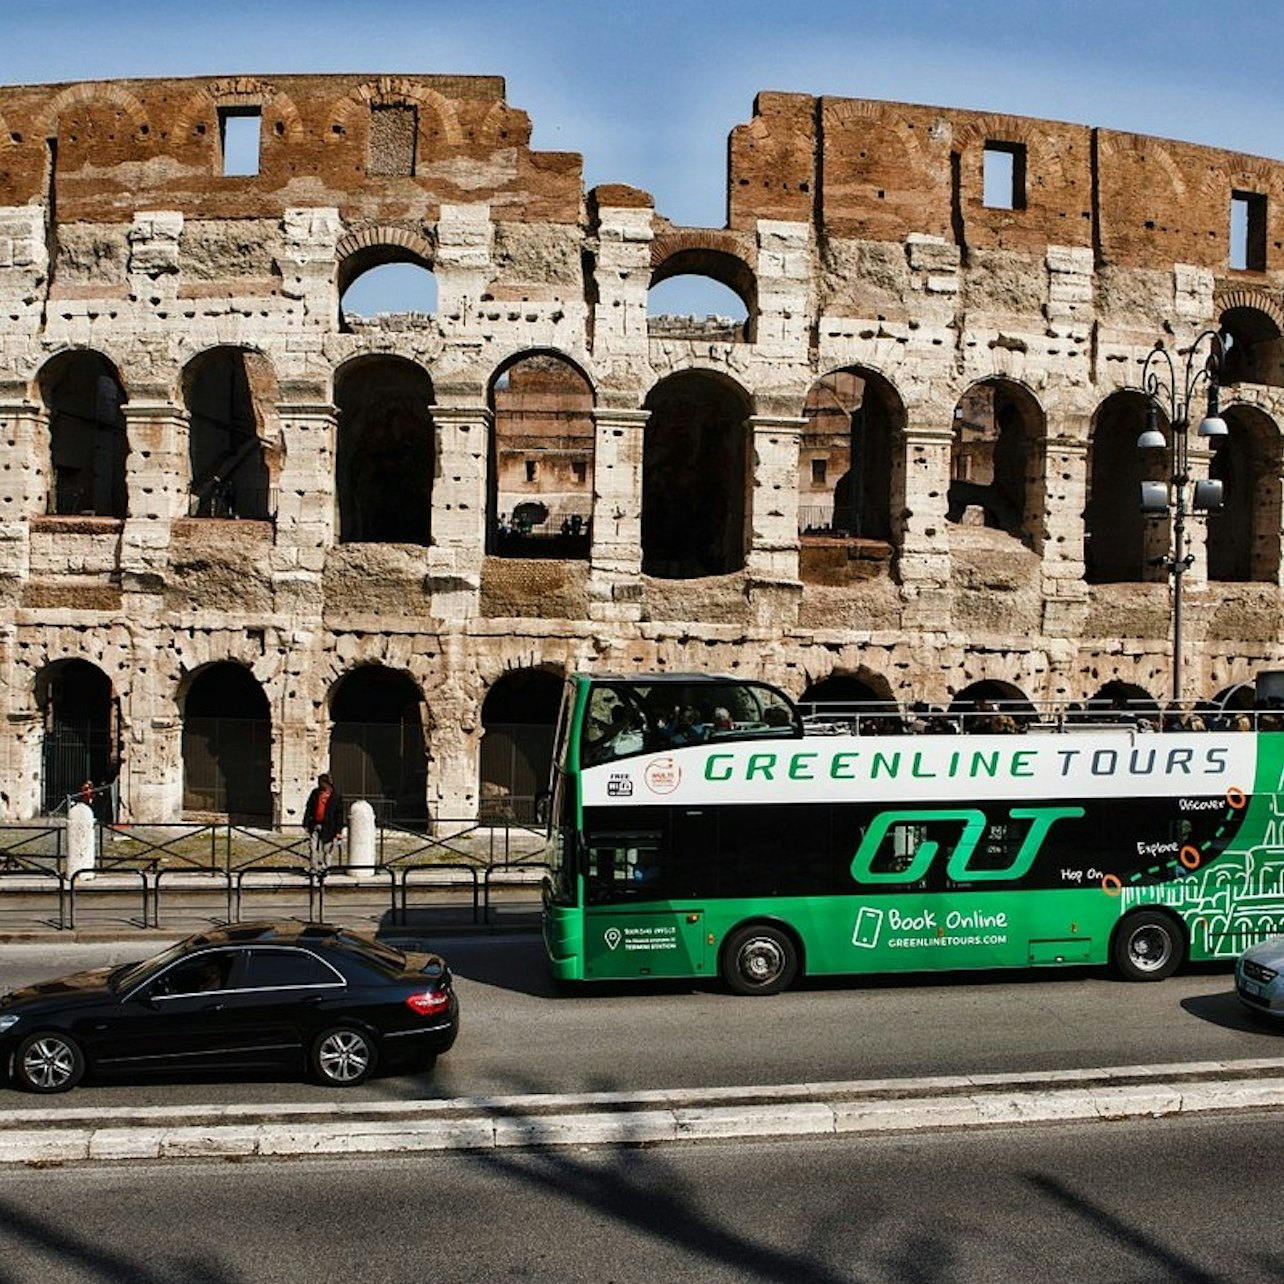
[(1148, 946), (759, 960)]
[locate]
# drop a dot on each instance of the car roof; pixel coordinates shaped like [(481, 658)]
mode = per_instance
[(267, 932)]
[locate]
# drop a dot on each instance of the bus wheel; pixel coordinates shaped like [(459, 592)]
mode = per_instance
[(759, 960), (1147, 947)]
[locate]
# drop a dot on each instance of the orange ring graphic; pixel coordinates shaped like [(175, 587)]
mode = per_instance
[(1236, 797), (1111, 885), (1190, 857)]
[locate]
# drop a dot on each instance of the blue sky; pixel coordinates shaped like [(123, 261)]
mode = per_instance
[(648, 90)]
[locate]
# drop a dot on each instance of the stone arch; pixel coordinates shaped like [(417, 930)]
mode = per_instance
[(541, 457), (853, 418), (83, 395), (695, 459), (378, 752), (438, 126), (722, 257), (87, 93), (519, 722), (226, 743), (1119, 542), (991, 705), (1124, 699), (997, 458), (1244, 537), (385, 454), (200, 111), (505, 126), (364, 249), (1255, 323), (82, 736), (229, 393)]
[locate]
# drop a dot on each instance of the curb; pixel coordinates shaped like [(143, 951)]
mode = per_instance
[(875, 1107)]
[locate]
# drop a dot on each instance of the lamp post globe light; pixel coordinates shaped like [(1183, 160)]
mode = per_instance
[(1185, 497)]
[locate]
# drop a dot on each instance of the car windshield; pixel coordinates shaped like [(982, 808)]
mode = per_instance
[(381, 956), (130, 975)]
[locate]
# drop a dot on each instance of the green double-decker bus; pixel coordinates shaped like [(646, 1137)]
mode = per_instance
[(699, 827)]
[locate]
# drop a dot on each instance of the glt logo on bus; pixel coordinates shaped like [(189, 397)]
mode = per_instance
[(959, 868)]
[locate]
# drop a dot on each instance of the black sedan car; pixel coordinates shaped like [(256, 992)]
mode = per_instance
[(300, 996)]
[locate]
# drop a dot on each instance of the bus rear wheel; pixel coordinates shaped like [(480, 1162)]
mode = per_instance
[(1148, 946), (759, 960)]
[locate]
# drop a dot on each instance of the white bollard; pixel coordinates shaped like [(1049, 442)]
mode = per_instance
[(361, 839), (81, 833)]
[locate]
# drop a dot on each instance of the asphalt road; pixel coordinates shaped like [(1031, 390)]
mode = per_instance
[(519, 1035), (1192, 1202)]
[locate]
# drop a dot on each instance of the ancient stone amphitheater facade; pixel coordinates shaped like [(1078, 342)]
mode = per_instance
[(244, 537)]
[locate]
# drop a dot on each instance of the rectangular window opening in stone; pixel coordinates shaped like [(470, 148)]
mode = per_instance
[(1003, 184), (1248, 231), (579, 468), (530, 470), (818, 470), (238, 133), (391, 145)]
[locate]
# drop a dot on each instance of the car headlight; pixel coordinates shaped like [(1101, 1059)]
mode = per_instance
[(8, 1022)]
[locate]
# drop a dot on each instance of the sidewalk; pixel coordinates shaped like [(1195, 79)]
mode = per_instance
[(881, 1107), (113, 906)]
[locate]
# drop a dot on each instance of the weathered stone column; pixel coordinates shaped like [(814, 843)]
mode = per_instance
[(305, 503), (1065, 591), (24, 488), (615, 588), (920, 487), (774, 587), (459, 509), (155, 472)]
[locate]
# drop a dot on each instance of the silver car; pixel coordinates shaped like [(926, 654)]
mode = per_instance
[(1259, 977)]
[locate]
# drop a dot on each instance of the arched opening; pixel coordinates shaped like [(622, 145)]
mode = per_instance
[(385, 454), (389, 289), (846, 703), (384, 280), (991, 707), (224, 390), (996, 460), (378, 746), (541, 464), (702, 293), (227, 746), (845, 464), (1257, 349), (1244, 535), (1119, 543), (1124, 702), (81, 741), (83, 397), (519, 719), (694, 478)]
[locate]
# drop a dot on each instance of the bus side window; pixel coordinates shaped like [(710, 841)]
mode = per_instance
[(624, 868)]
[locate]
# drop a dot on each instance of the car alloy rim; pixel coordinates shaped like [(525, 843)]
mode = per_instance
[(1150, 949), (48, 1063), (344, 1055), (762, 960)]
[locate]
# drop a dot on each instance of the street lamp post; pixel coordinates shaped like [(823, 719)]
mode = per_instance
[(1181, 494)]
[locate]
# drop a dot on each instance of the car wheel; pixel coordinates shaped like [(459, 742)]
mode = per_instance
[(47, 1061), (343, 1056), (759, 960), (1148, 946)]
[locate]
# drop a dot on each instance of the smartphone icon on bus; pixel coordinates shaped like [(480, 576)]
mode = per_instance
[(868, 922)]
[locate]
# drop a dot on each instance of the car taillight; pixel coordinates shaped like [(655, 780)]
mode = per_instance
[(429, 1003)]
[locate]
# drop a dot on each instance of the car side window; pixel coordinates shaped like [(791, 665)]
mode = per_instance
[(201, 974), (273, 969)]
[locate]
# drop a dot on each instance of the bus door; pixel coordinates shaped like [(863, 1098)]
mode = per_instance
[(631, 926)]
